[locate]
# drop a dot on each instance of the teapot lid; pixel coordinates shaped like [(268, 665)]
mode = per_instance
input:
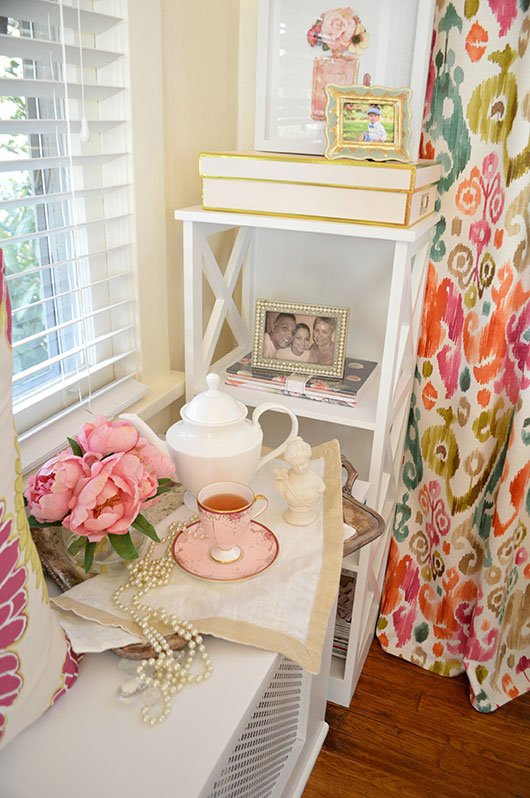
[(213, 406)]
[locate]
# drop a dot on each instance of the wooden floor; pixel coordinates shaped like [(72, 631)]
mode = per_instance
[(409, 732)]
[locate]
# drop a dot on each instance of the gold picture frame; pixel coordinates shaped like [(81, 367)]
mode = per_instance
[(298, 337), (368, 122)]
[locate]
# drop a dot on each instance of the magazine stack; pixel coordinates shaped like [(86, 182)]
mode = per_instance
[(342, 391)]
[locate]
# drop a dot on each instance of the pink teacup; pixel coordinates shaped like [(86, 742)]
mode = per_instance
[(226, 510)]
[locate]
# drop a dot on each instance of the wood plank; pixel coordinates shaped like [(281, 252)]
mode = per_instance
[(380, 667), (336, 777), (364, 739), (335, 715), (410, 732), (492, 724), (481, 735)]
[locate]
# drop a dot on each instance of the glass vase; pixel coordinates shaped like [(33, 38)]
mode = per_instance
[(106, 560), (342, 70)]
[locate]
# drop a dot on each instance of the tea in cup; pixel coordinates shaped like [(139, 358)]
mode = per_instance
[(226, 510)]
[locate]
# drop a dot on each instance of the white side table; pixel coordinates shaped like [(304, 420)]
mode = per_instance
[(332, 263)]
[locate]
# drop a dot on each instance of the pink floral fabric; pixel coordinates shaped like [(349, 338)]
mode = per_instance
[(457, 590), (36, 664), (13, 619)]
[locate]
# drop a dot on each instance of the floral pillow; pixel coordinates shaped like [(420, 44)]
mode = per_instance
[(37, 664)]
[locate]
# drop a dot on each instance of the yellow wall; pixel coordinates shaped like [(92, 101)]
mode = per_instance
[(200, 90), (193, 89)]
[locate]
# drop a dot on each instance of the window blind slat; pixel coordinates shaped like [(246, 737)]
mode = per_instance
[(21, 87), (43, 10), (33, 126), (66, 324), (55, 230), (40, 49), (45, 199), (25, 164), (71, 352), (72, 292), (55, 264)]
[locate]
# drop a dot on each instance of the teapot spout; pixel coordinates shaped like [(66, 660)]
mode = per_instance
[(146, 432)]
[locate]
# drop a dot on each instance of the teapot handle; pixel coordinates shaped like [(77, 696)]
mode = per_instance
[(292, 434)]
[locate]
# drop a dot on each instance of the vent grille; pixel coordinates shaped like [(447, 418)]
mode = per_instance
[(259, 756)]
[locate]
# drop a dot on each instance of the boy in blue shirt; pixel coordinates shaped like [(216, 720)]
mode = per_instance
[(376, 131)]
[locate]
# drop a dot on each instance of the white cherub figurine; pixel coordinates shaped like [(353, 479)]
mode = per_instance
[(299, 485)]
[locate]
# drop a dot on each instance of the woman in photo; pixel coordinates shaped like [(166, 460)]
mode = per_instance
[(323, 346), (299, 348)]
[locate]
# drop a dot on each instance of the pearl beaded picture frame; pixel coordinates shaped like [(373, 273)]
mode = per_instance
[(313, 343)]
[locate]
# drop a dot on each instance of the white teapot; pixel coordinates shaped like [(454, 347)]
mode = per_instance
[(215, 440)]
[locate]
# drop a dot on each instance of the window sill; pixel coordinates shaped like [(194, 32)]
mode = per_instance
[(133, 396)]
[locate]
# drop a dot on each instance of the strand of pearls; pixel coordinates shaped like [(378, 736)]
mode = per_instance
[(169, 672)]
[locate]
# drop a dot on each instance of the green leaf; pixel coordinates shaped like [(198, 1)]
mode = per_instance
[(77, 450), (165, 481), (89, 554), (123, 545), (76, 545), (33, 522), (162, 489), (142, 525)]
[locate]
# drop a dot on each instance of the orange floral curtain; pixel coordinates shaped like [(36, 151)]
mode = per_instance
[(457, 590)]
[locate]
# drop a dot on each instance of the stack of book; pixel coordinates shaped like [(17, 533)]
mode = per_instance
[(315, 187), (341, 634), (345, 391)]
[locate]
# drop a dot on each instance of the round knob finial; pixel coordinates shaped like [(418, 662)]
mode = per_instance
[(213, 382)]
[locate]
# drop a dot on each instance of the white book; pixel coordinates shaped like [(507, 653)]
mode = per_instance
[(317, 169), (347, 191)]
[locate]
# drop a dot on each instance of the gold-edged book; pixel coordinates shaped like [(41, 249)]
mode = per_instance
[(279, 184)]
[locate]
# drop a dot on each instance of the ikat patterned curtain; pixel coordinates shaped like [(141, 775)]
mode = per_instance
[(457, 590)]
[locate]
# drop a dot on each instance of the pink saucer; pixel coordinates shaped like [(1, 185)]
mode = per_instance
[(260, 548)]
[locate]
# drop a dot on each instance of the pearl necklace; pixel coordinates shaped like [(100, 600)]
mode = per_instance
[(167, 673)]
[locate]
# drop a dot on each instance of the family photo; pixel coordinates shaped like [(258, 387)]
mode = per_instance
[(306, 339), (298, 337)]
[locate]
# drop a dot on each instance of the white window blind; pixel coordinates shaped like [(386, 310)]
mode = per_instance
[(67, 208)]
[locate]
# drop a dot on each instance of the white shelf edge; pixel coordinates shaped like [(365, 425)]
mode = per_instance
[(362, 416), (196, 213)]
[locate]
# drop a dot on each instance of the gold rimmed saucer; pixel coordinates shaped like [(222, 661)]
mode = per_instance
[(259, 547)]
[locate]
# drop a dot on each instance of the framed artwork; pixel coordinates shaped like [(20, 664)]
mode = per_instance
[(368, 122), (304, 45), (296, 337)]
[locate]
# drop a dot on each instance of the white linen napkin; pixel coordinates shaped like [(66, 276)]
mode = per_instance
[(283, 609)]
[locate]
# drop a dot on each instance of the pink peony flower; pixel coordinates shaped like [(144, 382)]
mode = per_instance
[(107, 437), (109, 499), (153, 460), (338, 28), (50, 490)]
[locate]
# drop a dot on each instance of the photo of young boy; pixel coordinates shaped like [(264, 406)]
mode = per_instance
[(368, 122), (376, 131)]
